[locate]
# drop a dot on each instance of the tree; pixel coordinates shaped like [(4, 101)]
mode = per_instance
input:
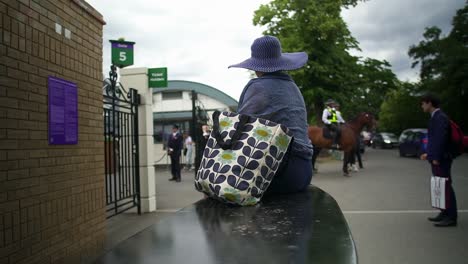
[(375, 79), (444, 66), (317, 28), (401, 110)]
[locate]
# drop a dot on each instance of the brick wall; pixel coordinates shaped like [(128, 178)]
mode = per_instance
[(51, 196)]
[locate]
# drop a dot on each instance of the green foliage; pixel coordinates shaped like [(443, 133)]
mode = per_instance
[(375, 79), (317, 28), (401, 110), (444, 66)]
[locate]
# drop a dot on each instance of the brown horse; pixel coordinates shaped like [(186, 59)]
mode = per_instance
[(348, 139)]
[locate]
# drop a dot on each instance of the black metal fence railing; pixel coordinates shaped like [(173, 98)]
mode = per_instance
[(121, 149)]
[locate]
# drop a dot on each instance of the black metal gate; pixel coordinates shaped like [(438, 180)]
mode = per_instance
[(122, 172)]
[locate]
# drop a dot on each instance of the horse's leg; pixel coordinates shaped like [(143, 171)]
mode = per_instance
[(358, 155), (351, 161), (352, 158), (314, 158), (313, 161), (346, 159)]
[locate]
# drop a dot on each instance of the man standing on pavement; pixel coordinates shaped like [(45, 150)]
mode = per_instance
[(438, 155), (175, 145)]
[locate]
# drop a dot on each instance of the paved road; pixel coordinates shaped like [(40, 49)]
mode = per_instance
[(170, 197), (386, 206)]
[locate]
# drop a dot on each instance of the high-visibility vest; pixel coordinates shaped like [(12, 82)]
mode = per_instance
[(332, 117)]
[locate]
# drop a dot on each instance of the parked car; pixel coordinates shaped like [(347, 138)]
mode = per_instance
[(413, 142), (384, 140)]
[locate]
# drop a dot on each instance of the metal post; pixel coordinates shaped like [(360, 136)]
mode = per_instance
[(136, 101), (113, 79), (194, 117), (195, 131)]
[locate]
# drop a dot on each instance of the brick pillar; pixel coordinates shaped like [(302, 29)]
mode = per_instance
[(51, 196)]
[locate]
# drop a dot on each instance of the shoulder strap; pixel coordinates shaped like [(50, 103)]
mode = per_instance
[(243, 119)]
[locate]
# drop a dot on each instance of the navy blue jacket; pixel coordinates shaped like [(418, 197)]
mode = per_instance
[(275, 97), (438, 137), (176, 143)]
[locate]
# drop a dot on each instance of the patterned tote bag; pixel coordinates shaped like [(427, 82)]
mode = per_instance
[(241, 157)]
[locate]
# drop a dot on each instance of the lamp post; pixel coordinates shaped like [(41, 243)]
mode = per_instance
[(195, 132)]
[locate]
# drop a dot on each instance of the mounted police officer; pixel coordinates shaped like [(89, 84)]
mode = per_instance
[(336, 106), (332, 119)]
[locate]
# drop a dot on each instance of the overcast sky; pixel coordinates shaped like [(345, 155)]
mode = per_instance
[(198, 40)]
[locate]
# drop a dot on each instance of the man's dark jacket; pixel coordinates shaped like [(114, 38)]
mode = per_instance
[(438, 137), (176, 143)]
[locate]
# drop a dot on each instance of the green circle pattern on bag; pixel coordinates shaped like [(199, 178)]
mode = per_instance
[(241, 158)]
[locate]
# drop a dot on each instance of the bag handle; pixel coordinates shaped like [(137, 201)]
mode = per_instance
[(243, 119)]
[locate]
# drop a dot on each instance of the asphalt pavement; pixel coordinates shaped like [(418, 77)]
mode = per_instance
[(171, 196), (386, 205)]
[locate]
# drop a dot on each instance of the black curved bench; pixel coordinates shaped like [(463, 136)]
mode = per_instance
[(307, 227)]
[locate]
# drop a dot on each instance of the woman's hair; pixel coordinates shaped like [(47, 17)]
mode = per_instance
[(430, 98)]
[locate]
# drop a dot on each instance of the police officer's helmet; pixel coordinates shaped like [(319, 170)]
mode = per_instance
[(330, 102)]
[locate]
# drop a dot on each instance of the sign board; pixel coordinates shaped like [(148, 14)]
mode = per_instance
[(157, 78), (63, 111), (122, 53)]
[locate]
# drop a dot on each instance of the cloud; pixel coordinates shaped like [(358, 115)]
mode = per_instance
[(198, 40), (386, 29)]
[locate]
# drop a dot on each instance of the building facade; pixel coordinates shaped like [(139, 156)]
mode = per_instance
[(176, 104)]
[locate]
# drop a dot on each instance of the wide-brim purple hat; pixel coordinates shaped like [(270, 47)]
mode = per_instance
[(266, 56)]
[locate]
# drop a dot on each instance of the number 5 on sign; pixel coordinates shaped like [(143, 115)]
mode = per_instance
[(122, 53), (123, 56)]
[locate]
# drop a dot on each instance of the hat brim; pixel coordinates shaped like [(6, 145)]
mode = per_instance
[(287, 62)]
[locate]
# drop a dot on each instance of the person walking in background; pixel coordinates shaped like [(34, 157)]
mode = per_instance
[(274, 96), (188, 150), (439, 157), (175, 145)]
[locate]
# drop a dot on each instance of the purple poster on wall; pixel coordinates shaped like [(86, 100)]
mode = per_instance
[(63, 111)]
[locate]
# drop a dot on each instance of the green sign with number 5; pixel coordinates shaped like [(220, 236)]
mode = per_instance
[(122, 53)]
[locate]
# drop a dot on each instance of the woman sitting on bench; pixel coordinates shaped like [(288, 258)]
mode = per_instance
[(274, 96)]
